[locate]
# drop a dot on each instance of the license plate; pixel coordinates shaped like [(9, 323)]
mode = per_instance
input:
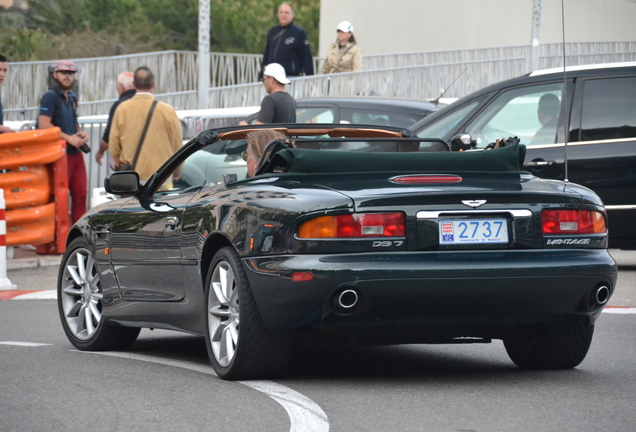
[(464, 231)]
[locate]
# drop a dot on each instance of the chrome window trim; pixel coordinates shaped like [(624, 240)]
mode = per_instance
[(577, 143), (620, 207), (581, 68)]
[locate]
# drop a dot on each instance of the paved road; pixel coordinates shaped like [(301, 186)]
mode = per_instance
[(164, 383)]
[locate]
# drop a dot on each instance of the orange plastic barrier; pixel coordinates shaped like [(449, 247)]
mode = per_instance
[(26, 188), (34, 225), (62, 217), (34, 179), (28, 148)]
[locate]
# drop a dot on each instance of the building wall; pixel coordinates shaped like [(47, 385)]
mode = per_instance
[(400, 26)]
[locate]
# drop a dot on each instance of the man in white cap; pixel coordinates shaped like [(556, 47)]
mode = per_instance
[(278, 106)]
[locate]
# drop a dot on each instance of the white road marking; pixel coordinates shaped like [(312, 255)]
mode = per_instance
[(24, 344), (304, 414), (620, 310)]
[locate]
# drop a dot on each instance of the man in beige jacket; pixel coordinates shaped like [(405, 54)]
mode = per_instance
[(163, 137)]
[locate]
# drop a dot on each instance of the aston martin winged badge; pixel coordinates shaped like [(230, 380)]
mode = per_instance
[(474, 203)]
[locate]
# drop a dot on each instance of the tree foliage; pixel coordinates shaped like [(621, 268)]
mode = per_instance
[(51, 29)]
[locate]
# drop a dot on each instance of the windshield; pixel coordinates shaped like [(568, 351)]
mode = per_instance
[(441, 127)]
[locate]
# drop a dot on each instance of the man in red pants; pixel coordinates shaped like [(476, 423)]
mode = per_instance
[(58, 108)]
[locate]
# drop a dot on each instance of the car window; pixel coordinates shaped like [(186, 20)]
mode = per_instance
[(205, 168), (379, 118), (608, 109), (440, 127), (315, 115), (530, 113)]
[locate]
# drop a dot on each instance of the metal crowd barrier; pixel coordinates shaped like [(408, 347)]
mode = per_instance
[(177, 74)]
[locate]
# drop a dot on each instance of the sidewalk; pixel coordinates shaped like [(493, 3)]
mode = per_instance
[(24, 256)]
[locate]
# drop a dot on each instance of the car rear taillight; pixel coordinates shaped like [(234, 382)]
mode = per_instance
[(354, 225), (572, 222)]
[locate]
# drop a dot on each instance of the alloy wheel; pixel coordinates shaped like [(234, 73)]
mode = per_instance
[(81, 295), (223, 309)]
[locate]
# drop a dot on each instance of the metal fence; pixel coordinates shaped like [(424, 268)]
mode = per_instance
[(27, 81), (233, 77), (551, 55), (410, 82)]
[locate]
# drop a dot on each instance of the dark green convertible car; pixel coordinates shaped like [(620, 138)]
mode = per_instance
[(354, 234)]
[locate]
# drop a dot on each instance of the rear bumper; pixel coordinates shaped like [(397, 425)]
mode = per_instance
[(428, 295)]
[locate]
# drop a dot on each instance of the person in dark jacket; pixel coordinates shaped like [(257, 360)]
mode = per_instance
[(126, 90), (288, 45)]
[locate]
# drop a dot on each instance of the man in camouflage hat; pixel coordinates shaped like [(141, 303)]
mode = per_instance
[(58, 108)]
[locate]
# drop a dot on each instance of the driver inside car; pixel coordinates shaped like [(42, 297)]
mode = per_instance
[(547, 112)]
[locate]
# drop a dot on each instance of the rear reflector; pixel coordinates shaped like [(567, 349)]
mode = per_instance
[(354, 226), (302, 277), (426, 179), (572, 222)]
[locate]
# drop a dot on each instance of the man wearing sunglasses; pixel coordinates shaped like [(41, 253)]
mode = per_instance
[(278, 106)]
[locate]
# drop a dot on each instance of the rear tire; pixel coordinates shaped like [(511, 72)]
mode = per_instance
[(239, 345), (562, 345), (80, 304)]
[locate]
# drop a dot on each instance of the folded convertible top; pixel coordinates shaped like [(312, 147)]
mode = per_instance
[(509, 158)]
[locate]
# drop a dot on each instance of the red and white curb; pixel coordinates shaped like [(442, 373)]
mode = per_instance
[(28, 295), (52, 295), (5, 283)]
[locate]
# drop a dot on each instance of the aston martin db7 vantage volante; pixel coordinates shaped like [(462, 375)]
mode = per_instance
[(346, 234)]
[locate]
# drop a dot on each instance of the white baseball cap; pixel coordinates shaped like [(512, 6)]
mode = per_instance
[(345, 26), (277, 72)]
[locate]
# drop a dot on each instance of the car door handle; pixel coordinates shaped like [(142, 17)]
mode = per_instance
[(171, 223), (539, 163)]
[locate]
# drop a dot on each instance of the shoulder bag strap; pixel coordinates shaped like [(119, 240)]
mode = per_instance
[(143, 134), (344, 53)]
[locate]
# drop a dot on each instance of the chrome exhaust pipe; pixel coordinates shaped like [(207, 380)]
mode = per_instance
[(602, 294), (348, 299)]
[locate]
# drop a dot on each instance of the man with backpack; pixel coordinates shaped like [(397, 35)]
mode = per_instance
[(58, 108)]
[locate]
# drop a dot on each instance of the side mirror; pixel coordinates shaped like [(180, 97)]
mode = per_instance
[(124, 183), (462, 142)]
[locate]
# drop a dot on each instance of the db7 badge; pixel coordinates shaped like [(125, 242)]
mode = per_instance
[(386, 243)]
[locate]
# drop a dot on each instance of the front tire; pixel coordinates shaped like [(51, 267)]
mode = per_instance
[(239, 345), (562, 345), (80, 303)]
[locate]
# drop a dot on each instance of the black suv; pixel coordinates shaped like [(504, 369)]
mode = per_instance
[(601, 114)]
